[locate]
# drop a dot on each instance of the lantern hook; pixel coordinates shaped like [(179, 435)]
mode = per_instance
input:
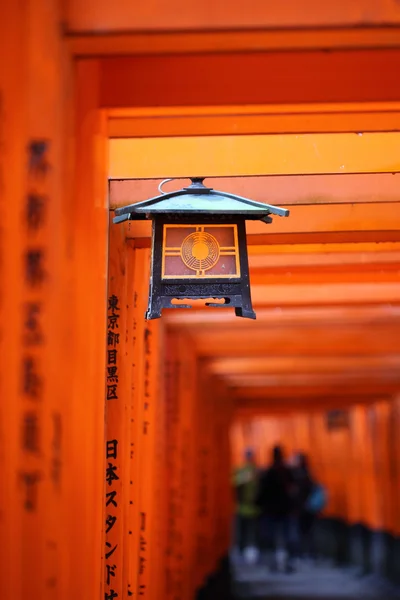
[(162, 183)]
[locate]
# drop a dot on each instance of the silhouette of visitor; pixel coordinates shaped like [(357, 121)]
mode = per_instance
[(275, 499), (311, 499), (245, 481)]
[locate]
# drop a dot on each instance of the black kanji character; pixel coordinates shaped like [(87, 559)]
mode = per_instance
[(30, 481), (110, 595), (111, 474), (113, 321), (147, 335), (142, 565), (31, 381), (111, 449), (38, 164), (111, 498), (35, 211), (110, 572), (112, 357), (110, 522), (108, 554), (112, 392), (112, 374), (56, 463), (33, 335), (112, 338), (30, 432), (34, 268), (113, 303)]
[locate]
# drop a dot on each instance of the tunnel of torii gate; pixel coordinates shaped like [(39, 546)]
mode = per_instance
[(118, 435)]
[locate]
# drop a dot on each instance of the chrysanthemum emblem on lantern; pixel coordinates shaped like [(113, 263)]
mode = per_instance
[(199, 246)]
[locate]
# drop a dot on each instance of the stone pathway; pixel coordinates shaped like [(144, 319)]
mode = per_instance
[(322, 582)]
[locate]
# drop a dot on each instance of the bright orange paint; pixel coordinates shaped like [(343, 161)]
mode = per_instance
[(121, 16), (309, 326), (254, 155)]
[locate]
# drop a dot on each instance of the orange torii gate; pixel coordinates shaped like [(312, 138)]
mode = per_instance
[(63, 97)]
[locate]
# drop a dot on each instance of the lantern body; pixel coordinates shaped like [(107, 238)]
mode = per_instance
[(198, 259)]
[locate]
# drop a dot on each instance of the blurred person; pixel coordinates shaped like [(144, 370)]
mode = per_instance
[(275, 499), (311, 499), (245, 482)]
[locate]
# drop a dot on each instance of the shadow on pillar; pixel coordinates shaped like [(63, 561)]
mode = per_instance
[(219, 585)]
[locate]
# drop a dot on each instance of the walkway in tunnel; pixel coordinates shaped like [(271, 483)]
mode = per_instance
[(320, 582)]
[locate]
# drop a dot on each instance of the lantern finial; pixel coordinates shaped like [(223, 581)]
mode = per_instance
[(198, 186)]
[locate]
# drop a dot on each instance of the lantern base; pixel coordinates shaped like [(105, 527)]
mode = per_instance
[(242, 308)]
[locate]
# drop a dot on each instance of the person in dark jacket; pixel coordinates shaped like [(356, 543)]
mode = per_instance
[(275, 499), (307, 518)]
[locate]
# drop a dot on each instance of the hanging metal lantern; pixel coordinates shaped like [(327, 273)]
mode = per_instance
[(199, 248)]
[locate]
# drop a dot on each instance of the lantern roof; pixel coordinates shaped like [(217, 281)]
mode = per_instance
[(197, 199)]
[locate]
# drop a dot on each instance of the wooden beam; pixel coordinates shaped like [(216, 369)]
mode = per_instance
[(257, 407), (314, 294), (270, 381), (327, 249), (255, 340), (284, 190), (286, 317), (254, 155), (183, 42), (324, 275), (276, 365), (319, 238), (303, 394), (314, 219), (234, 78), (328, 262), (334, 239), (328, 294), (265, 122), (101, 16)]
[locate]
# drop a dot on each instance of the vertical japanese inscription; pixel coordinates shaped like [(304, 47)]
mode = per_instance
[(112, 347), (173, 415), (111, 451), (146, 423), (35, 277)]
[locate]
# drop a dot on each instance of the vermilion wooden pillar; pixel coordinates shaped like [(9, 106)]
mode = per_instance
[(197, 468), (87, 219), (379, 424), (12, 176), (117, 409), (160, 487), (132, 477), (188, 442), (222, 471), (147, 414), (395, 460), (181, 439), (147, 409), (52, 485), (173, 584), (206, 498), (53, 327), (134, 496)]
